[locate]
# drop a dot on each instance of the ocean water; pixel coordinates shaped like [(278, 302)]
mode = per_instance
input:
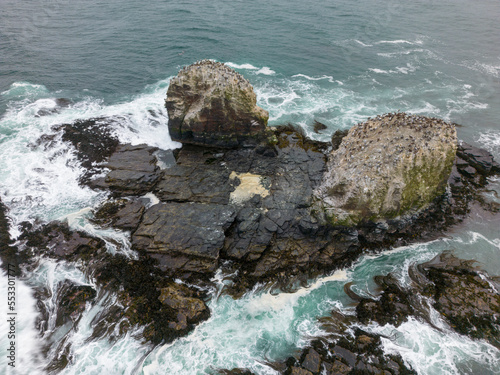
[(337, 62)]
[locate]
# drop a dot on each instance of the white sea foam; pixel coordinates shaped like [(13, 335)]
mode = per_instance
[(378, 71), (265, 71), (426, 109), (282, 301), (271, 324), (491, 141), (323, 77), (363, 44), (41, 180), (241, 66), (437, 352), (301, 100), (399, 41), (409, 68), (24, 90), (402, 53)]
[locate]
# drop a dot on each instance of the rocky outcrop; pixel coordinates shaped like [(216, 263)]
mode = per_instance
[(255, 207), (92, 139), (134, 171), (247, 205), (469, 300), (210, 104), (188, 237), (476, 161), (358, 353), (387, 167), (147, 296)]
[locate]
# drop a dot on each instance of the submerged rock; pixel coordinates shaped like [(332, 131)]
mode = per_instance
[(387, 167), (209, 103), (181, 299), (467, 299), (93, 141), (72, 301), (53, 106)]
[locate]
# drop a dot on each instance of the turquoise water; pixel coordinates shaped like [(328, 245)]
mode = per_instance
[(337, 62)]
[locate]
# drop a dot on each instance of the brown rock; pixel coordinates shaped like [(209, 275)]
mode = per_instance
[(208, 103)]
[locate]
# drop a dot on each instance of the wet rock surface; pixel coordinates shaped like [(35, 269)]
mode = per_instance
[(248, 205), (466, 298), (357, 353), (209, 103), (133, 171), (125, 214), (73, 300), (185, 237), (477, 158), (147, 296), (93, 141)]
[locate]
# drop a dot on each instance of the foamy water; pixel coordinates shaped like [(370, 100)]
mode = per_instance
[(39, 182)]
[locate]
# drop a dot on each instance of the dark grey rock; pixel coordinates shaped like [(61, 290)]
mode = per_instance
[(133, 170), (72, 300), (478, 158), (190, 233), (312, 362), (122, 214)]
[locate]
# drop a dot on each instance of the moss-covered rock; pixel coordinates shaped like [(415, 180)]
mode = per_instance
[(387, 167), (209, 103)]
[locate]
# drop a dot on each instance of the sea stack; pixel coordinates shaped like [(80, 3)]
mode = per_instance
[(210, 104), (387, 167)]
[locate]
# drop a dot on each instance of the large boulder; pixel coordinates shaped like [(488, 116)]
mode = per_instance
[(386, 167), (209, 103)]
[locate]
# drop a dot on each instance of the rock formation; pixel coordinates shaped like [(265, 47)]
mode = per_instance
[(210, 104), (465, 297), (386, 167), (255, 206), (257, 211)]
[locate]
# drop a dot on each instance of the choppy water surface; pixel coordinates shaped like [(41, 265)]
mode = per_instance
[(336, 62)]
